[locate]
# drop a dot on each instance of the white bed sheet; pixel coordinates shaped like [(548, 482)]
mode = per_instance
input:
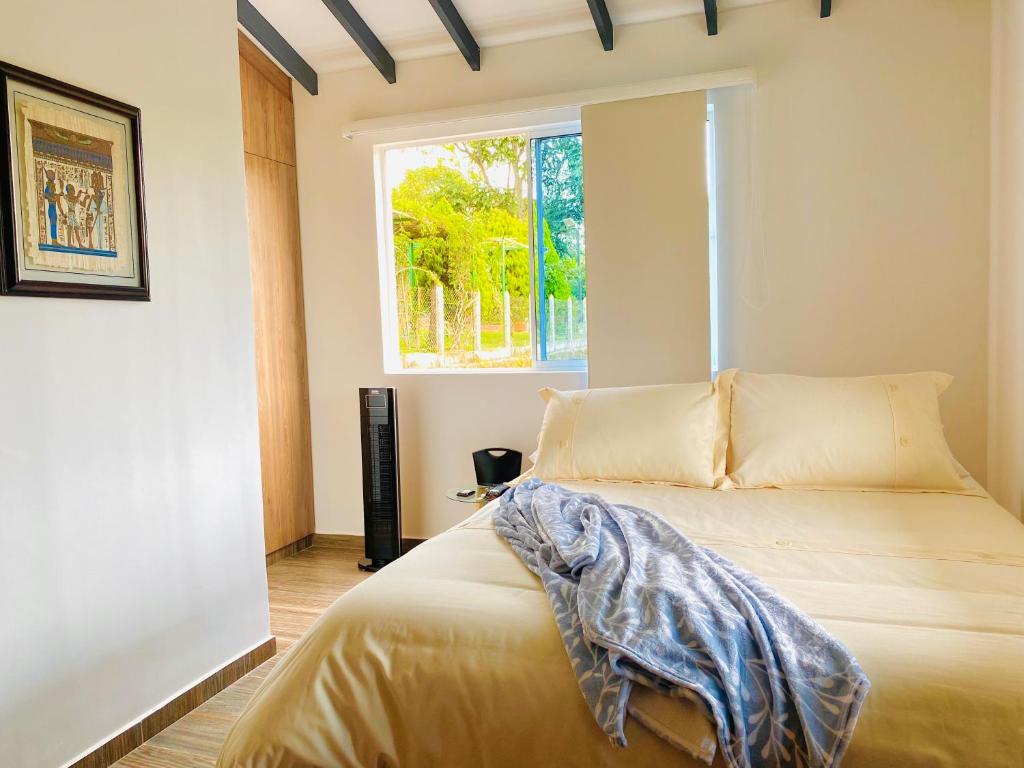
[(450, 656)]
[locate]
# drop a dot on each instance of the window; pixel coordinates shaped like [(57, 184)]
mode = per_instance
[(484, 263)]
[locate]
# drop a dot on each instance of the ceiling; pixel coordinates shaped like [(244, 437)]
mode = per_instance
[(410, 29)]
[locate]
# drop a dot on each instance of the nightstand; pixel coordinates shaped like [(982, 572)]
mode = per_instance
[(479, 498)]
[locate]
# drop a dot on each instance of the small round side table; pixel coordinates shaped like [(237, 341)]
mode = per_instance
[(479, 496)]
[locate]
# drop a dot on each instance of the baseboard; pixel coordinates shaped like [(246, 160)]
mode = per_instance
[(348, 541), (120, 745), (290, 549), (408, 544)]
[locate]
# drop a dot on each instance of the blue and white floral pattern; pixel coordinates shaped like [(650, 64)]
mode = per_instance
[(637, 602)]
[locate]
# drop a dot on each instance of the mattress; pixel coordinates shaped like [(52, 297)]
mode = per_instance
[(450, 656)]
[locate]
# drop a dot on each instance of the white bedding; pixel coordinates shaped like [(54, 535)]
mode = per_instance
[(436, 660)]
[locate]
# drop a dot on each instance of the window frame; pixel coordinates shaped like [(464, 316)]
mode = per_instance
[(392, 359)]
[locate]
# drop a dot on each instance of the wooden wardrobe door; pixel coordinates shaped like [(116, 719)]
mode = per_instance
[(276, 262)]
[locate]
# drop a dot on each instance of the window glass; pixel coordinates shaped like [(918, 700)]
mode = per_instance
[(558, 242), (466, 269)]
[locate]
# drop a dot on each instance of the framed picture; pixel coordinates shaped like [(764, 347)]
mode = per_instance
[(72, 210)]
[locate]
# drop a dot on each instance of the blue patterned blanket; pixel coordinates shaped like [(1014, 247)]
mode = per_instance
[(637, 602)]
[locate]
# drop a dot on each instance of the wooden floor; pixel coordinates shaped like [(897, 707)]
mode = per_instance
[(301, 586)]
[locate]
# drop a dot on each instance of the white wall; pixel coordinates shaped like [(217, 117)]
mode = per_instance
[(1006, 366), (873, 132), (130, 509), (865, 249)]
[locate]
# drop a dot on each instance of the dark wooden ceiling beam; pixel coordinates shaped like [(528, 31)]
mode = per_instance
[(364, 37), (257, 26), (603, 22), (826, 8), (452, 20), (711, 16)]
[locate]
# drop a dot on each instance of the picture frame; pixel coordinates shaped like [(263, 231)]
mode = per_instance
[(72, 195)]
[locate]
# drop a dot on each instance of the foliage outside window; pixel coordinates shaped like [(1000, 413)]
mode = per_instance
[(559, 245), (466, 266)]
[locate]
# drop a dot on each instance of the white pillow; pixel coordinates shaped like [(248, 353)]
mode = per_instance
[(657, 434), (866, 433)]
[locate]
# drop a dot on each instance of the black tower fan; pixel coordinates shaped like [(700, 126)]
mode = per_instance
[(382, 514)]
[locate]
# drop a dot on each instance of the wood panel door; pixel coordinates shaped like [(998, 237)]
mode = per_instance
[(278, 309)]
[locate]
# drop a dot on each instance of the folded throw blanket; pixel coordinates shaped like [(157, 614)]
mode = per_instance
[(637, 602)]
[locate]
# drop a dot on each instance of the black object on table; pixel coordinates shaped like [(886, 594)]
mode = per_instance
[(497, 465)]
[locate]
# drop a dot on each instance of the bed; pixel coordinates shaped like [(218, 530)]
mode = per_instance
[(450, 656)]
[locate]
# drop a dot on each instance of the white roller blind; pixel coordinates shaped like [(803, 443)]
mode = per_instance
[(646, 211)]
